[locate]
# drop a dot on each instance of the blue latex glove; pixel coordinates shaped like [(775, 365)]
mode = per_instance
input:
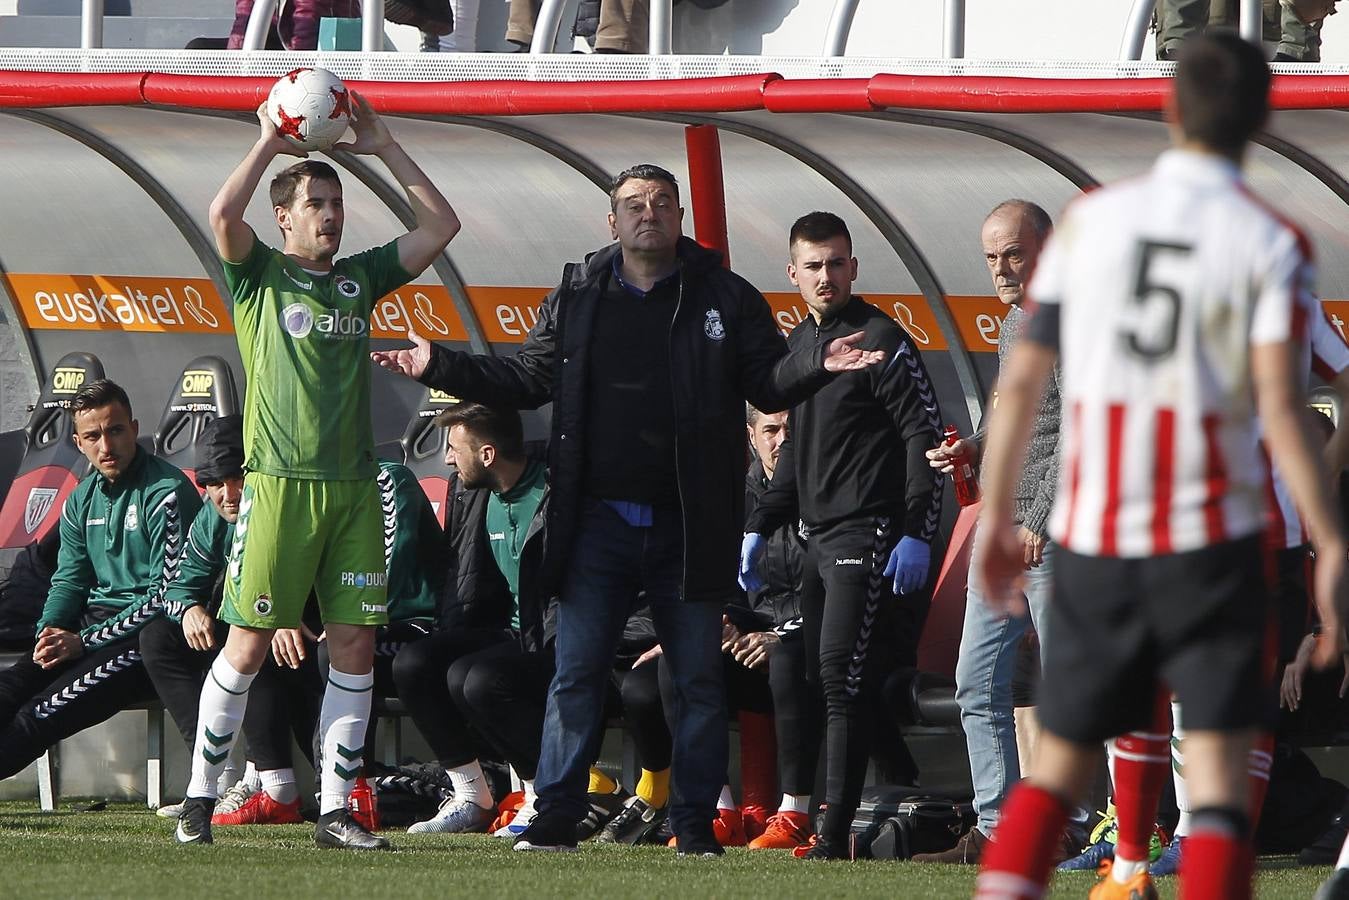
[(908, 564), (750, 549)]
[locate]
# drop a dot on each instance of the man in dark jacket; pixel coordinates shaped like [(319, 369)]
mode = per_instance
[(871, 504), (647, 351)]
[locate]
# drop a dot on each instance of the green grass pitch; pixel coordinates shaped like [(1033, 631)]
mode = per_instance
[(125, 851)]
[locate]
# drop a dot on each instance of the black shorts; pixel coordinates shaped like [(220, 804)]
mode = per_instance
[(1193, 623)]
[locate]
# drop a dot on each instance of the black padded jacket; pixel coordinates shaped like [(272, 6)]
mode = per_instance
[(724, 349)]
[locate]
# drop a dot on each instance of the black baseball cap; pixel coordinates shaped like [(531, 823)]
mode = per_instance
[(220, 450)]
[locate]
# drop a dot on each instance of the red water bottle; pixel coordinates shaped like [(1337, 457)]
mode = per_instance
[(363, 805), (966, 485)]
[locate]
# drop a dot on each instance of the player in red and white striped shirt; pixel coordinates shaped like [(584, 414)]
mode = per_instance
[(1176, 302)]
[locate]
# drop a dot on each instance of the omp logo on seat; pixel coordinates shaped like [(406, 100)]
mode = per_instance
[(441, 397), (67, 380), (197, 383)]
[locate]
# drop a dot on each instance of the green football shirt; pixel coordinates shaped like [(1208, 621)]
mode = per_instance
[(305, 343)]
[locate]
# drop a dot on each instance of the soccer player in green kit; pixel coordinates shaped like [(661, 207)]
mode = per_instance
[(310, 512)]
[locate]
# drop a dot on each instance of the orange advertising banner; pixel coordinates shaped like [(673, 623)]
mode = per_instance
[(120, 303), (1338, 312), (193, 306)]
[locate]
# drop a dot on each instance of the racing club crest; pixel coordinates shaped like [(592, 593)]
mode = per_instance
[(346, 287), (712, 326), (40, 500)]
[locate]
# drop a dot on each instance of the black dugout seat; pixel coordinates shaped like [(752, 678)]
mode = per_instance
[(423, 446), (51, 465), (203, 391)]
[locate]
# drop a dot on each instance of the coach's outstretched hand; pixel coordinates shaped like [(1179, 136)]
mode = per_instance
[(842, 354), (411, 361)]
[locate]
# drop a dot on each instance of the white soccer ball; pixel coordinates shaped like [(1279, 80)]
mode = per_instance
[(310, 108)]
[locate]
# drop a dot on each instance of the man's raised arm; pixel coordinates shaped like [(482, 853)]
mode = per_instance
[(233, 236), (436, 220)]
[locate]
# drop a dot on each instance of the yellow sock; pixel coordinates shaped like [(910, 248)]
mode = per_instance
[(654, 787), (601, 783)]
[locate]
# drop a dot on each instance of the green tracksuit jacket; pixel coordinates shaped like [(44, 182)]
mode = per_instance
[(121, 545)]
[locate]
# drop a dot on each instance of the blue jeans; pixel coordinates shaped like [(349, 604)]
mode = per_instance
[(984, 687), (613, 562)]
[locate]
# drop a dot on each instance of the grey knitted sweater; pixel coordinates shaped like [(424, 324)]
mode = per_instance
[(1035, 492)]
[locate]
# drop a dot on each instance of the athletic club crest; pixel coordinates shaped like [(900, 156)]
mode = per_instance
[(132, 519), (712, 326), (263, 605), (40, 500)]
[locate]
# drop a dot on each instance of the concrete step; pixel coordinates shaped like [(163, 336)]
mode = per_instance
[(142, 33), (170, 8)]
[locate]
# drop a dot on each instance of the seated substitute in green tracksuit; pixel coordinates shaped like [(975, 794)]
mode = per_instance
[(122, 537)]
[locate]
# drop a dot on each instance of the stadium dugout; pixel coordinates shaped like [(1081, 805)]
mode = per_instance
[(114, 157)]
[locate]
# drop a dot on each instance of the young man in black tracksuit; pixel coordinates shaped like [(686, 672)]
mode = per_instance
[(647, 351), (855, 468)]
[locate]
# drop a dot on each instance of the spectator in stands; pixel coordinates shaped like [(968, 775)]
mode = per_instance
[(122, 538), (464, 37), (1012, 236), (295, 25), (853, 470), (611, 26), (1291, 27), (647, 458), (179, 647)]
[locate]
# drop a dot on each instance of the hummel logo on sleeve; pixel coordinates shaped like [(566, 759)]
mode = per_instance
[(848, 561)]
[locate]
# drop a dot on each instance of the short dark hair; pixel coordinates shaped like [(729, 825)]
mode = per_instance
[(818, 227), (98, 394), (501, 428), (642, 172), (1221, 90), (287, 181), (1039, 219)]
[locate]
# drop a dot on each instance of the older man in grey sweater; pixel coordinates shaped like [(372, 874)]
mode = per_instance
[(1012, 236)]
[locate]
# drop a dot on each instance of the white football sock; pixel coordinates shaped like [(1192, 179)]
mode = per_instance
[(280, 785), (224, 697), (795, 803), (342, 722), (1178, 771), (470, 784), (727, 799), (251, 778)]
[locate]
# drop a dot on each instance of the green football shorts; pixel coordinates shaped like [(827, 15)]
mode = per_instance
[(295, 534)]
